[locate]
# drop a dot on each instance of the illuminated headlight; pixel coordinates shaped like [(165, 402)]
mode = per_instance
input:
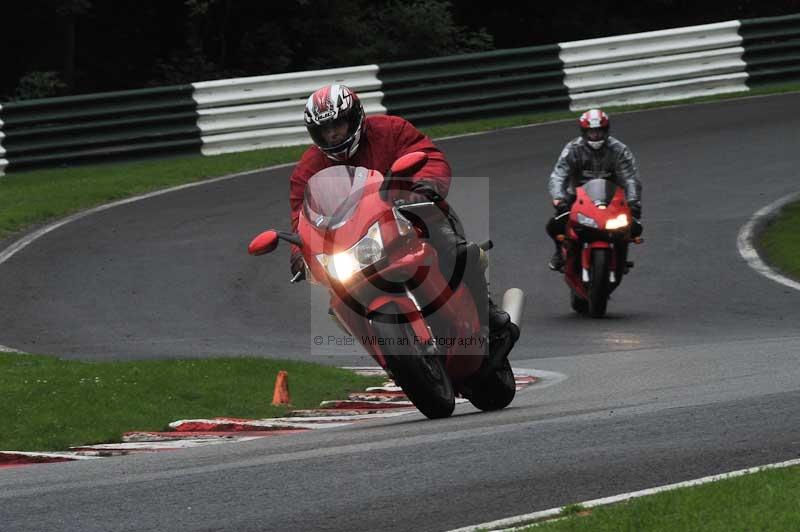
[(617, 223), (404, 226), (587, 221), (366, 252)]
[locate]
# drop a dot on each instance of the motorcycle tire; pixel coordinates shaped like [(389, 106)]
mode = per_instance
[(420, 374), (578, 304), (599, 287), (496, 391)]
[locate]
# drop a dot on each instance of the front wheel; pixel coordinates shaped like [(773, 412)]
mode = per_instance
[(599, 286), (420, 374), (578, 304), (496, 391)]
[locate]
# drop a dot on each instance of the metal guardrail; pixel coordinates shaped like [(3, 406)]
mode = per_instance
[(266, 111), (230, 115), (772, 49), (655, 66), (461, 86), (98, 126)]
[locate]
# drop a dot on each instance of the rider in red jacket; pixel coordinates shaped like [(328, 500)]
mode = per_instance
[(343, 134)]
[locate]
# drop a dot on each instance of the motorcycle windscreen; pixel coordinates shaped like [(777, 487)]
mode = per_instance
[(600, 191), (332, 195)]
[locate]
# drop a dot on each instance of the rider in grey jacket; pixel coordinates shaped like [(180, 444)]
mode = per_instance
[(593, 155)]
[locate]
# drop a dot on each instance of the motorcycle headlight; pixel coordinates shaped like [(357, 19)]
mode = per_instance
[(587, 221), (363, 254), (617, 223)]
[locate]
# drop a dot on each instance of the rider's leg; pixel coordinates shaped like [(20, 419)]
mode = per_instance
[(459, 261), (557, 225)]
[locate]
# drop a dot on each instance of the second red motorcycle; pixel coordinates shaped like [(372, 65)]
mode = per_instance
[(595, 246)]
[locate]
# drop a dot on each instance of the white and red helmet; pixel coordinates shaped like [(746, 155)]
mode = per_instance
[(333, 105), (594, 128)]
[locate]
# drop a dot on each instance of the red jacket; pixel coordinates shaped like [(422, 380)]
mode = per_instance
[(384, 140)]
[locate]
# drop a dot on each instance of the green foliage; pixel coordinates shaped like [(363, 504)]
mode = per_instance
[(39, 84), (397, 30), (67, 8), (572, 509)]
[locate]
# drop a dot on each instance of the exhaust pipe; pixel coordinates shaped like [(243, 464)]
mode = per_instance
[(514, 304)]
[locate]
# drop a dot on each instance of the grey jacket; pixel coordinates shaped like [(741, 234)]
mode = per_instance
[(579, 163)]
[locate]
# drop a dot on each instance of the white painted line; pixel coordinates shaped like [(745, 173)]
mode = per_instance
[(25, 241), (61, 454), (262, 423), (155, 446), (19, 245), (747, 246), (519, 521), (4, 349)]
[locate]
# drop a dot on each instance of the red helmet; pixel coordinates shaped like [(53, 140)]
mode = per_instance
[(335, 118), (594, 128)]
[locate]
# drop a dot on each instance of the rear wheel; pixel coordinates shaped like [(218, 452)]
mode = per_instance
[(599, 285), (419, 373), (496, 391)]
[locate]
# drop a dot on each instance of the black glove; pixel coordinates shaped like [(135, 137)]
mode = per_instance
[(562, 207), (636, 209), (428, 190), (298, 266), (419, 193)]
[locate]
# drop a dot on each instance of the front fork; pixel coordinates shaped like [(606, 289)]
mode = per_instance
[(586, 260)]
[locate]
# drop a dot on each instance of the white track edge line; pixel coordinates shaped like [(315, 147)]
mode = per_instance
[(529, 519), (747, 247)]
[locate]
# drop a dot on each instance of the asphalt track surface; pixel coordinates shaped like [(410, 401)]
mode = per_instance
[(694, 371)]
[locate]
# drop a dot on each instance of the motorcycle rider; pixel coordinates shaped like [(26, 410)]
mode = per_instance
[(343, 134), (593, 155)]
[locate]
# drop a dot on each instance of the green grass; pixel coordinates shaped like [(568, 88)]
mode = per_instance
[(781, 240), (28, 198), (51, 404), (763, 501), (35, 197)]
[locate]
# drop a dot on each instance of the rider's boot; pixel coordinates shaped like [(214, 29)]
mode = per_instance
[(557, 260)]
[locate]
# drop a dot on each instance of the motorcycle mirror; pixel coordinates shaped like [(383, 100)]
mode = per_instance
[(409, 163), (264, 243)]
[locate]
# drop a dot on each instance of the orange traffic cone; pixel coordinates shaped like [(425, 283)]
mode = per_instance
[(280, 396)]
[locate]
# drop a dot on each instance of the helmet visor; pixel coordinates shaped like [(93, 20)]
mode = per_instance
[(596, 134), (331, 134)]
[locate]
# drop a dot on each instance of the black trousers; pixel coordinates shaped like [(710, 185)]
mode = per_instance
[(459, 259)]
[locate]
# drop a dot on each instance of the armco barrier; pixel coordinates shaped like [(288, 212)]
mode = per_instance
[(78, 128), (265, 111), (772, 49), (654, 66), (650, 44), (479, 84)]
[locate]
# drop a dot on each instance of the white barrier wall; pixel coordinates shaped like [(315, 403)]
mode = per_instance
[(3, 161), (654, 66), (267, 111), (650, 44)]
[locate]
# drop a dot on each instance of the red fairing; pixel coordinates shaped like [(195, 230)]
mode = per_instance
[(387, 138)]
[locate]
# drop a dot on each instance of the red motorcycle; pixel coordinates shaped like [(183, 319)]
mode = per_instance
[(595, 246), (388, 293)]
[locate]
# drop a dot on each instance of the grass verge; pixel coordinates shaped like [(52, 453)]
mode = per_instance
[(780, 240), (764, 501), (35, 197), (52, 404)]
